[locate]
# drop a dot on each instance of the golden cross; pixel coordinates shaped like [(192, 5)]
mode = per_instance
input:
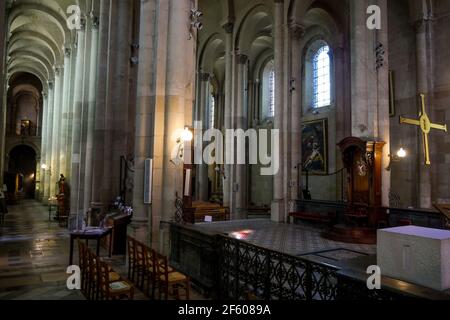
[(425, 125)]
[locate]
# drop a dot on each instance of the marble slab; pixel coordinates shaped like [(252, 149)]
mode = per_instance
[(415, 254)]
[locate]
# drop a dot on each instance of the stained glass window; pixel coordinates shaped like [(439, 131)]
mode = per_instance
[(322, 78), (269, 90)]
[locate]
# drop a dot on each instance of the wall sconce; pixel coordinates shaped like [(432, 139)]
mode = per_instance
[(186, 136), (401, 154)]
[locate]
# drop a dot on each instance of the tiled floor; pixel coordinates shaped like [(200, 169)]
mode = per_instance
[(34, 257), (294, 239)]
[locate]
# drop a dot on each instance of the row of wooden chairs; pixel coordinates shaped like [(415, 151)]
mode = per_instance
[(150, 270), (98, 279)]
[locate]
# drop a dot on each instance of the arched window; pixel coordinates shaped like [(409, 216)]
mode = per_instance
[(322, 77), (212, 110), (268, 90), (211, 107)]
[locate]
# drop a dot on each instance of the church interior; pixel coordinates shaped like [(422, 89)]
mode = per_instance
[(224, 149)]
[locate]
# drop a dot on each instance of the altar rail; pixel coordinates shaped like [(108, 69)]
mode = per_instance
[(227, 268)]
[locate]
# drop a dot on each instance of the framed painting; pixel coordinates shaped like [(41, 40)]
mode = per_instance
[(315, 147), (391, 94)]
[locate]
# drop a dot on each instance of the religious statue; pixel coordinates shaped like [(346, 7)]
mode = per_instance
[(63, 197)]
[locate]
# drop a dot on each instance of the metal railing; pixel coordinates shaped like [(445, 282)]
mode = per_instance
[(246, 269)]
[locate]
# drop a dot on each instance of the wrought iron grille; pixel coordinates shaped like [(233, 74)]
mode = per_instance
[(246, 269)]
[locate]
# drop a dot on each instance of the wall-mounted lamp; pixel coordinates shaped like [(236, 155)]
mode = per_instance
[(44, 167), (178, 155), (401, 154)]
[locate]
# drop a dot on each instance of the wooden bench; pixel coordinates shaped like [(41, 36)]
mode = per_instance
[(200, 210), (313, 216)]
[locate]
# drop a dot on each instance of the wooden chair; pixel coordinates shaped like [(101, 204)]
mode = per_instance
[(140, 265), (170, 283), (93, 286), (83, 264), (112, 290), (131, 258), (150, 270)]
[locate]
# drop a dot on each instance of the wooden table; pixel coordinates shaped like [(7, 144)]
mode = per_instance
[(90, 234)]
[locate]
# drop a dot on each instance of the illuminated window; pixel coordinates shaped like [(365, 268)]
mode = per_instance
[(322, 78), (212, 110), (269, 90)]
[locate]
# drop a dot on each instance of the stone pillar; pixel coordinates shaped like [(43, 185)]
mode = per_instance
[(240, 185), (90, 115), (75, 207), (100, 110), (63, 146), (145, 115), (423, 65), (202, 115), (55, 130), (228, 27), (383, 104), (297, 32), (47, 141), (43, 176), (116, 116), (3, 85), (370, 99), (279, 199)]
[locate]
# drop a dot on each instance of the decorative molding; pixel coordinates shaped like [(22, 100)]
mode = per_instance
[(241, 58), (228, 27), (297, 31), (204, 76), (67, 52)]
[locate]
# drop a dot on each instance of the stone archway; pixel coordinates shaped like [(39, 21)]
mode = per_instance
[(21, 175)]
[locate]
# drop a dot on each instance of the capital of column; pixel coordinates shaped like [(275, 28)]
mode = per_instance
[(95, 20), (58, 70), (44, 94), (50, 84), (241, 58), (420, 25), (67, 51), (296, 30), (228, 27), (204, 76)]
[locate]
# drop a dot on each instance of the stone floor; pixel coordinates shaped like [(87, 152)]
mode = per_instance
[(295, 239), (34, 257)]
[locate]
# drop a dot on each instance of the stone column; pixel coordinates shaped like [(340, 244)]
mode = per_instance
[(278, 204), (297, 32), (43, 176), (116, 116), (383, 104), (3, 105), (228, 27), (240, 188), (63, 146), (55, 131), (47, 141), (423, 66), (145, 116), (75, 207), (90, 115), (202, 114), (100, 110), (370, 99)]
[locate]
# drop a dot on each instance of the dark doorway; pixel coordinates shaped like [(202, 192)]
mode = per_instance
[(22, 166)]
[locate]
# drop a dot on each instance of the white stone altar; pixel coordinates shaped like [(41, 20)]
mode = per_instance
[(416, 255)]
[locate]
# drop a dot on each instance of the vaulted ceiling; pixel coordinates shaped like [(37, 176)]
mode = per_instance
[(38, 35)]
